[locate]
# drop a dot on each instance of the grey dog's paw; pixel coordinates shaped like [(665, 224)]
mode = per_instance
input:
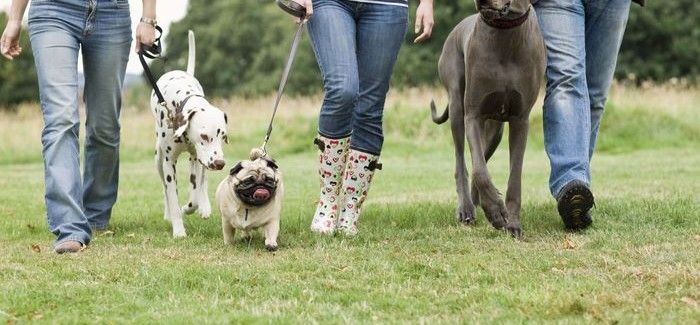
[(497, 214), (515, 230), (466, 215), (271, 248)]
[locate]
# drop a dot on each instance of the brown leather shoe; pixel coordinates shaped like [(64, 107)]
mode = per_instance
[(69, 246)]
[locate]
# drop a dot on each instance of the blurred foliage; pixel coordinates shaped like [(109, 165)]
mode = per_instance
[(662, 41), (242, 46), (18, 81), (241, 50)]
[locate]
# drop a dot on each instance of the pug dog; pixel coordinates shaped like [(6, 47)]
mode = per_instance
[(250, 198)]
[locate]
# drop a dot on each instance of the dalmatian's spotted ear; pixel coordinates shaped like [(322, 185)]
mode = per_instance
[(184, 124), (236, 169)]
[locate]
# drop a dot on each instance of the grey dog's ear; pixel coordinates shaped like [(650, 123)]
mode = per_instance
[(236, 169)]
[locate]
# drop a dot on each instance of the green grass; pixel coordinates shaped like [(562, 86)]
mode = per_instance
[(411, 262)]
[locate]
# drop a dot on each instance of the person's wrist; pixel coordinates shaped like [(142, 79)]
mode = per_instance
[(148, 21)]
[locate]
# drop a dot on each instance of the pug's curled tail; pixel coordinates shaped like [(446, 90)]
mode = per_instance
[(256, 153), (439, 119)]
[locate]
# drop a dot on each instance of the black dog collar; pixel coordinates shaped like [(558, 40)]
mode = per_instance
[(505, 23)]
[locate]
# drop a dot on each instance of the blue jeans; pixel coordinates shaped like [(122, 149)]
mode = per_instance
[(582, 38), (356, 45), (58, 29)]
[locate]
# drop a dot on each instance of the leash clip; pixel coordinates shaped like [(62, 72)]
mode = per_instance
[(263, 148)]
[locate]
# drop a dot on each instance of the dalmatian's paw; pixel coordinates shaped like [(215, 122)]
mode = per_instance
[(189, 208), (205, 211)]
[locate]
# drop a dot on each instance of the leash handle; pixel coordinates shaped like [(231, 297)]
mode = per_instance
[(291, 7), (152, 52)]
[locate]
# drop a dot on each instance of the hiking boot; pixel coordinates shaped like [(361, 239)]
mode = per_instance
[(574, 205)]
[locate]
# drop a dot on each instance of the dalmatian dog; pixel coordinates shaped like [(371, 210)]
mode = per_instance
[(187, 123)]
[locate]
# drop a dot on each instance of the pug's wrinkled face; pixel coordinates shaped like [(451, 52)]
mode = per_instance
[(255, 182)]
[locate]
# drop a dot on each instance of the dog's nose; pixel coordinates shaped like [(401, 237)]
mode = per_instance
[(218, 164)]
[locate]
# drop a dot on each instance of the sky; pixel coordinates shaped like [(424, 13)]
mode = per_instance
[(167, 11)]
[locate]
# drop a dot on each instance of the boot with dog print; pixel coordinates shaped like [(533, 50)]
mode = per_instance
[(332, 160), (356, 183)]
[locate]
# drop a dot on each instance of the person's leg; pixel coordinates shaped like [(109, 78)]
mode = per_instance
[(332, 33), (605, 26), (380, 33), (566, 115), (55, 49), (105, 55)]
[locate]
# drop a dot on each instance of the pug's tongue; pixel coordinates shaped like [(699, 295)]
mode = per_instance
[(261, 194)]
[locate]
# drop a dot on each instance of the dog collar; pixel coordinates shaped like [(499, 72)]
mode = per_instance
[(182, 103), (506, 23), (177, 119)]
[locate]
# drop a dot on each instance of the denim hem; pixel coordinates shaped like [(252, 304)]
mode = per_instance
[(364, 150), (82, 240), (334, 138)]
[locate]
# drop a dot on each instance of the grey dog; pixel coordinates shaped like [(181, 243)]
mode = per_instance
[(492, 65)]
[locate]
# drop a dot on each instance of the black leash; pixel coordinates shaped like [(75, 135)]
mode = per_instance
[(298, 11), (153, 52)]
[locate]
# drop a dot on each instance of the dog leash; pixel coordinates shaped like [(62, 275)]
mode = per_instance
[(153, 52), (298, 11)]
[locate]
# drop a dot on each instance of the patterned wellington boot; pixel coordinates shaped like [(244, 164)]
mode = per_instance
[(334, 153), (358, 177)]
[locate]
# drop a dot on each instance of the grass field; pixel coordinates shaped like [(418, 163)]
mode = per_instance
[(639, 263)]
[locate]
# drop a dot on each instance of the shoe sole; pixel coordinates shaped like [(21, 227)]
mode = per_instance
[(574, 206)]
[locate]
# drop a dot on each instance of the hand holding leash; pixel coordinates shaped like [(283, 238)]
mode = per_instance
[(300, 9), (152, 51), (146, 33)]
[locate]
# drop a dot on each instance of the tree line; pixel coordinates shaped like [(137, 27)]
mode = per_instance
[(242, 48)]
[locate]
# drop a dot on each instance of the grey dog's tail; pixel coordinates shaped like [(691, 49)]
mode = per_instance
[(439, 119)]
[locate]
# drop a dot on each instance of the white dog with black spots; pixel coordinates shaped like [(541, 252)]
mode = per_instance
[(188, 123)]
